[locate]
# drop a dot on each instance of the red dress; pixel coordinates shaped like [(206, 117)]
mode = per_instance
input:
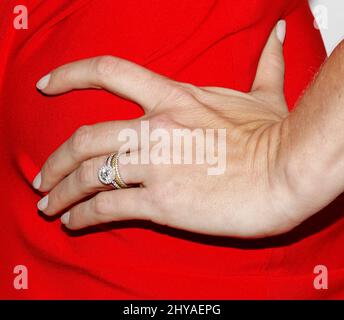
[(205, 42)]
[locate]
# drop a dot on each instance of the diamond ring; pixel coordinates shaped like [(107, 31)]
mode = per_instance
[(106, 173)]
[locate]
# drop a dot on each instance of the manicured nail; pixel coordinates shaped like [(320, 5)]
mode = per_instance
[(65, 218), (43, 203), (281, 30), (43, 83), (37, 181)]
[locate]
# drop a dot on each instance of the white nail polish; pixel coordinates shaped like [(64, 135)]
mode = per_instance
[(65, 218), (281, 29), (43, 83), (43, 203), (37, 181)]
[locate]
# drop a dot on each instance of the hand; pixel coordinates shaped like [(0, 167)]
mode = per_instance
[(252, 198)]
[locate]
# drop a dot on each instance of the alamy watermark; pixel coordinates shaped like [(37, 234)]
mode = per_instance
[(320, 281), (177, 146), (21, 277), (21, 19)]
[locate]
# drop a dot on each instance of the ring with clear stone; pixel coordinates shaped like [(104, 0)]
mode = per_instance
[(106, 174)]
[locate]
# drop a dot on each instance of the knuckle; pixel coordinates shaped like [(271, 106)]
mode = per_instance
[(49, 168), (163, 121), (64, 74), (148, 210), (101, 205), (106, 65), (191, 89), (182, 94), (178, 94), (55, 200), (75, 217), (160, 198), (85, 173), (156, 207), (160, 121), (276, 60), (80, 140)]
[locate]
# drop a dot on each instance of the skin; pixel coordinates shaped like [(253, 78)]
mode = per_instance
[(268, 150)]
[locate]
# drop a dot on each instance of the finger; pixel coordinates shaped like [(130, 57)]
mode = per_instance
[(84, 182), (270, 72), (86, 143), (116, 75), (108, 206)]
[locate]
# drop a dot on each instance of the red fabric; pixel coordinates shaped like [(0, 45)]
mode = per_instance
[(205, 42)]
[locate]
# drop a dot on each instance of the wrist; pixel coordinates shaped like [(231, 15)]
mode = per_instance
[(314, 175)]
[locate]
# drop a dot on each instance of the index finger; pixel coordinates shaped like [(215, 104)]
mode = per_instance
[(119, 76)]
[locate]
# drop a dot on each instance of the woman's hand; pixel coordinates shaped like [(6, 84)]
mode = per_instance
[(252, 198)]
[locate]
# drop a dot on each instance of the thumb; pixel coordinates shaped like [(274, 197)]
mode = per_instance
[(270, 72)]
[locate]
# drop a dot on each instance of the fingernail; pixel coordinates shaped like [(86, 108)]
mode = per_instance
[(43, 203), (65, 218), (43, 83), (37, 181), (281, 29)]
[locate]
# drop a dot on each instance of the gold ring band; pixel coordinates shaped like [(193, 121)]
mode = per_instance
[(117, 176)]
